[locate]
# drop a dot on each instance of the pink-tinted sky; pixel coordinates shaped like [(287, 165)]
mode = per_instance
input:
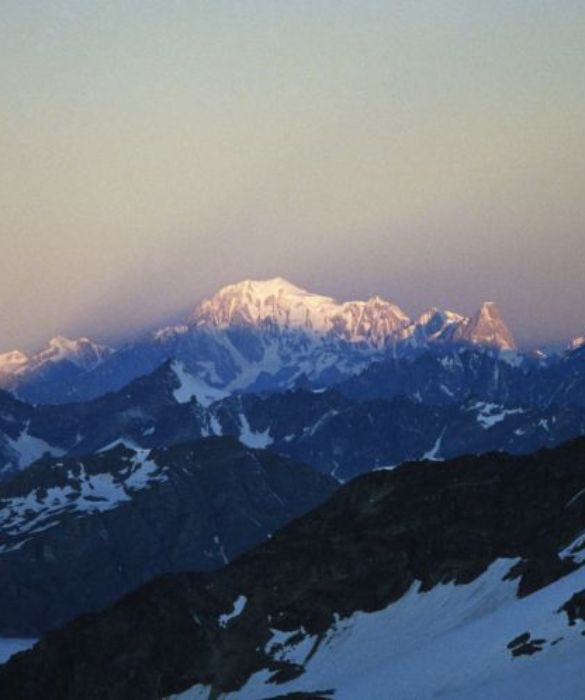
[(431, 151)]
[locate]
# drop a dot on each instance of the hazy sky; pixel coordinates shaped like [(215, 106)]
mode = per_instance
[(431, 151)]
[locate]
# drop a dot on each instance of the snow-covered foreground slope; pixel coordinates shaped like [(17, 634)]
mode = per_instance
[(450, 642)]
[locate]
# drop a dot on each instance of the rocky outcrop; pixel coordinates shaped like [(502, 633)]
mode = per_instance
[(486, 328)]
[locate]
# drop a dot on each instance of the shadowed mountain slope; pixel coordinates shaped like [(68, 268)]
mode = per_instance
[(484, 534)]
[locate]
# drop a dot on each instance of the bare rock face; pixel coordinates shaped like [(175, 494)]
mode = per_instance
[(359, 551), (486, 328)]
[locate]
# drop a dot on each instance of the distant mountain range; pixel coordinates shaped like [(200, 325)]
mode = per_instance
[(260, 336), (431, 406), (458, 580)]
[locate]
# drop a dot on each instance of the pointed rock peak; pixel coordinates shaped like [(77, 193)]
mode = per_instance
[(489, 309), (486, 327)]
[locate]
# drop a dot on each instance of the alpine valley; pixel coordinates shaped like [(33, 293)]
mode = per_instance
[(291, 497)]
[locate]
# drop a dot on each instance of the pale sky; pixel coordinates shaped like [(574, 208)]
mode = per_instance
[(430, 151)]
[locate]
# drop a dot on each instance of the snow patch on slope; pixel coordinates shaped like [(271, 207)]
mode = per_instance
[(29, 448), (253, 439), (237, 610), (490, 414), (42, 508), (433, 453), (192, 387)]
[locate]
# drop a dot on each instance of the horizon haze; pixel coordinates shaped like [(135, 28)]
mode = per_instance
[(432, 153)]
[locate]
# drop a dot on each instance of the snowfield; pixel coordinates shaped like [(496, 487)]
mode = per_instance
[(449, 643), (192, 387), (28, 448)]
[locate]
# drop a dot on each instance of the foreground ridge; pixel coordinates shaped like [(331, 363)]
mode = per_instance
[(423, 540)]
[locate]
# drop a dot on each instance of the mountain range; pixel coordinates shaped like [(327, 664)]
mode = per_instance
[(257, 336), (356, 494), (396, 411)]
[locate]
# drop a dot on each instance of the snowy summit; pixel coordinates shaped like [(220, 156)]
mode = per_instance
[(277, 301)]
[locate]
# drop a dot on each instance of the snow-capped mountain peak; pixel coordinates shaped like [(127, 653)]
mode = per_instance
[(12, 362), (435, 325), (81, 352), (253, 302), (577, 343), (281, 303), (434, 314), (61, 347)]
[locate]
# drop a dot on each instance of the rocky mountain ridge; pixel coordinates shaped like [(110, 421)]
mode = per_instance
[(451, 408), (431, 563), (78, 533)]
